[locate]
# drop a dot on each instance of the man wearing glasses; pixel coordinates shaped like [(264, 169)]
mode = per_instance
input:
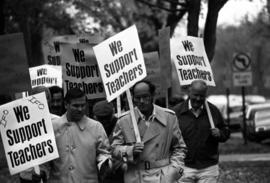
[(159, 157)]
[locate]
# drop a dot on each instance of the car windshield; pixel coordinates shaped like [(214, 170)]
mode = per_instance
[(262, 115)]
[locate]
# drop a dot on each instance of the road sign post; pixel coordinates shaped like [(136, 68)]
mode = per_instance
[(242, 76)]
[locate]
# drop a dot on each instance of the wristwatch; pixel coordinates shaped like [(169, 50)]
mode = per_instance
[(181, 171)]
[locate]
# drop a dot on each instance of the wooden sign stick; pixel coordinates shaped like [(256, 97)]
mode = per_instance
[(209, 114), (118, 104), (132, 113)]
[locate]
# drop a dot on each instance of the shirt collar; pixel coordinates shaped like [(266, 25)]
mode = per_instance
[(81, 124), (151, 117), (190, 106), (157, 114)]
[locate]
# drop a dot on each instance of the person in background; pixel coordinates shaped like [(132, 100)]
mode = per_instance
[(104, 113), (57, 100), (201, 162), (82, 143), (29, 175), (160, 156)]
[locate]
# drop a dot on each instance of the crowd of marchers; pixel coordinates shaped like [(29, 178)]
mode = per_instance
[(174, 145)]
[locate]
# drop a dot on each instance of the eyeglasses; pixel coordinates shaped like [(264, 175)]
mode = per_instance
[(142, 98)]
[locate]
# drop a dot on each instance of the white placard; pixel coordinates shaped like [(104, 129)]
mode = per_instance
[(27, 133), (242, 78), (46, 75), (190, 59), (80, 70), (52, 50), (121, 63)]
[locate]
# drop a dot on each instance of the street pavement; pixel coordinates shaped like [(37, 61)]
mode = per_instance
[(245, 157)]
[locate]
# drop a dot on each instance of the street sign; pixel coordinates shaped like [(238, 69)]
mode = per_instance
[(242, 79), (242, 75), (241, 62)]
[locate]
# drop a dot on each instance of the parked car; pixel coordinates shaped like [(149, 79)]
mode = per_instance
[(258, 122), (236, 106)]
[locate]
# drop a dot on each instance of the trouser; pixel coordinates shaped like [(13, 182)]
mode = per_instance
[(205, 175)]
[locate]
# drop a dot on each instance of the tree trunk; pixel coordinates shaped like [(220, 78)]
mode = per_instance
[(2, 17), (210, 33), (173, 19), (211, 26), (259, 73), (268, 10), (194, 7)]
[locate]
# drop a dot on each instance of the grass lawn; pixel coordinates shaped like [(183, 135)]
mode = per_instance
[(244, 172), (235, 145)]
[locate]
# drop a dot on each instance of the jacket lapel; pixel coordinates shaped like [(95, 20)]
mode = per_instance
[(151, 132)]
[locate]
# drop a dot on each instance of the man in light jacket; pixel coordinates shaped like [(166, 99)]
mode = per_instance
[(159, 157), (82, 144)]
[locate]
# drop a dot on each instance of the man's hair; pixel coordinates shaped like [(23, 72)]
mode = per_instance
[(73, 93), (40, 89), (103, 109), (152, 87), (55, 89), (198, 83), (4, 98)]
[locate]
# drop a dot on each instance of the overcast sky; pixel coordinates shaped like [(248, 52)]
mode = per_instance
[(235, 10), (231, 14)]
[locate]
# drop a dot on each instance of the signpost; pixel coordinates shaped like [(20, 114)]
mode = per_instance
[(27, 133), (46, 75), (80, 69), (242, 76), (191, 63), (121, 64)]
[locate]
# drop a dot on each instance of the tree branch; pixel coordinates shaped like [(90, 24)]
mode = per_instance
[(173, 19), (211, 25), (158, 6), (176, 2)]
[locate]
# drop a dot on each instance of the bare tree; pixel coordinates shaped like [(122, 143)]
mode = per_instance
[(178, 8)]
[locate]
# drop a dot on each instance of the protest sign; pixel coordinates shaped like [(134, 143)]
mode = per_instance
[(14, 72), (46, 75), (27, 133), (121, 63), (190, 60), (52, 50), (80, 70), (152, 64)]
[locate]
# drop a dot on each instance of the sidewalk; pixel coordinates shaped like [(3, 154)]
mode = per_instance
[(245, 157)]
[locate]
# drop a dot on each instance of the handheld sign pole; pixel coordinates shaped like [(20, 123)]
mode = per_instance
[(121, 64), (134, 122), (118, 103), (29, 117), (167, 98), (36, 168), (209, 115), (37, 171), (191, 62)]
